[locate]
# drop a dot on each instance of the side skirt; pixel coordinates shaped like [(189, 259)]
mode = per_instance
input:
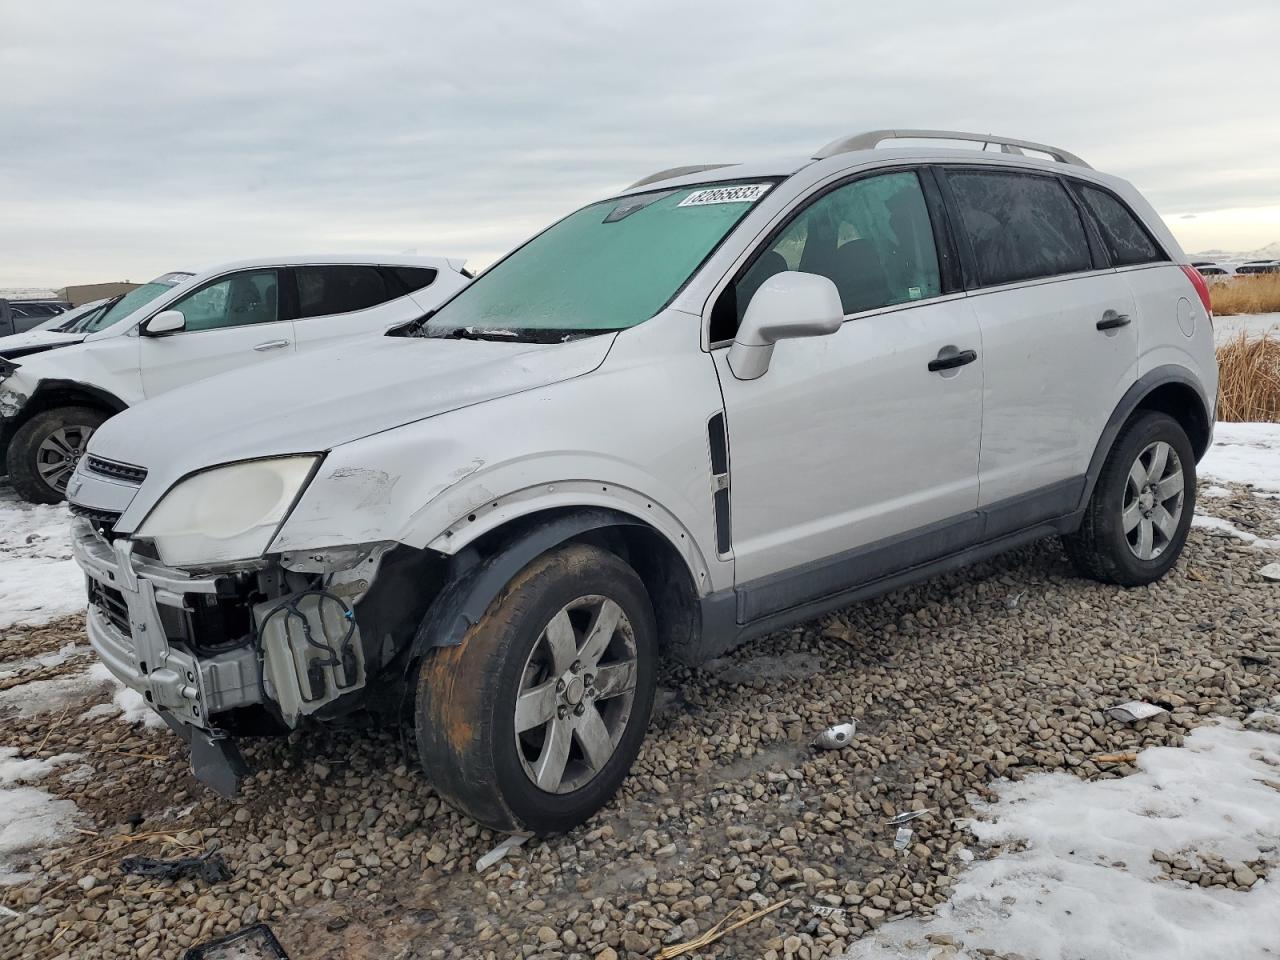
[(723, 629)]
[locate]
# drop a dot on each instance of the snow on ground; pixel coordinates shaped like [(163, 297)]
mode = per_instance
[(1244, 453), (1252, 325), (29, 817), (1076, 878), (126, 702), (1206, 522), (39, 581), (53, 695)]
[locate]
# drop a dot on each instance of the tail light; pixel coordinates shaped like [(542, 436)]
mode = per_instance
[(1201, 286)]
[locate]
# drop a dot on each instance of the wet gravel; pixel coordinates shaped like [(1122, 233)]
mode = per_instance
[(339, 843)]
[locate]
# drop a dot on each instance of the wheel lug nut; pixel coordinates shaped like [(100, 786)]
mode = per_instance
[(562, 712), (579, 710), (577, 667), (559, 686)]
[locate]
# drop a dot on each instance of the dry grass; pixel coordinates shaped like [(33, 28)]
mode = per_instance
[(1259, 294), (1249, 379)]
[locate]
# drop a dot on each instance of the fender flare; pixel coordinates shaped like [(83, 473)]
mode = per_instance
[(1141, 388), (478, 580), (102, 397)]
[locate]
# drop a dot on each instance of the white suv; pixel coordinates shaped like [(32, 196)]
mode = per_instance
[(58, 386), (721, 401)]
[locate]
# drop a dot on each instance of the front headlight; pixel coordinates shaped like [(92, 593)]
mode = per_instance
[(227, 513)]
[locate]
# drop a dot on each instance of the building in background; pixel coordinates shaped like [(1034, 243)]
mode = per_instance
[(86, 292)]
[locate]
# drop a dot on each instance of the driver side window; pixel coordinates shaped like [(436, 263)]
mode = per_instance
[(238, 300), (873, 238)]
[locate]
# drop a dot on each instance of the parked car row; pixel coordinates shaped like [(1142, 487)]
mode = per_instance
[(1226, 272), (58, 385), (17, 315), (721, 400)]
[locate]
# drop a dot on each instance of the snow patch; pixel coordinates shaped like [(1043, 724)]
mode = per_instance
[(1244, 453), (1254, 326), (39, 580), (57, 658), (29, 818), (50, 696), (1206, 522), (1214, 492), (1084, 883), (127, 702)]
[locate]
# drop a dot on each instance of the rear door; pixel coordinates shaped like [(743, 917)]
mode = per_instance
[(1058, 338), (231, 322), (338, 301)]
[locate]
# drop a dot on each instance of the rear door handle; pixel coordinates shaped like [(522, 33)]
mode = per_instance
[(1113, 321), (271, 345), (949, 358)]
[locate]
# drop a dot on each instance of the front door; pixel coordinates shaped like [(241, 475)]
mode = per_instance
[(856, 453), (230, 323)]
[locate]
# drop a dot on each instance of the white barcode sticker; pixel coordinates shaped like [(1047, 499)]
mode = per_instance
[(740, 193)]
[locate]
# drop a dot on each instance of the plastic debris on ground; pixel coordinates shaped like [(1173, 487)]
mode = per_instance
[(907, 817), (210, 869), (836, 736), (1271, 572), (1134, 710), (902, 838), (252, 943), (507, 844)]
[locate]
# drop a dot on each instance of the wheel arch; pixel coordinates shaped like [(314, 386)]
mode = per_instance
[(51, 394), (480, 571), (1171, 390)]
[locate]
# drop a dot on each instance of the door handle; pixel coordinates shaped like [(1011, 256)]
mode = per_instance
[(1113, 321), (271, 345), (949, 358)]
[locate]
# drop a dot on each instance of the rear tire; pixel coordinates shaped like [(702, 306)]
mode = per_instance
[(1137, 519), (533, 721), (44, 451)]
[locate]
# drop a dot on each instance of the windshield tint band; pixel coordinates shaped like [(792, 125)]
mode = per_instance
[(608, 266)]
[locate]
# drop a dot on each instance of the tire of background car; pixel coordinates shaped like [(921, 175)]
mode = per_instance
[(563, 659), (1137, 519), (44, 450)]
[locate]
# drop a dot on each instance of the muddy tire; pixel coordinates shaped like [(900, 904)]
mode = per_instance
[(44, 451), (1137, 519), (533, 721)]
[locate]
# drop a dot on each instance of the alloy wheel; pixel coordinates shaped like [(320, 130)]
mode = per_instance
[(1153, 500), (58, 454), (576, 694)]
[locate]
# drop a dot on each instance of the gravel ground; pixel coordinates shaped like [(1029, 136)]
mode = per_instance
[(997, 671)]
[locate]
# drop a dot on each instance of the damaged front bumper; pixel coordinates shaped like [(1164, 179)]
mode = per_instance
[(199, 647)]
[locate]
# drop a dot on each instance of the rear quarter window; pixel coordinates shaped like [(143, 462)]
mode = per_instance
[(414, 278), (1020, 226), (1127, 240), (327, 290)]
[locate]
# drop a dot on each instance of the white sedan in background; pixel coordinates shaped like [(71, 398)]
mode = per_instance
[(57, 388)]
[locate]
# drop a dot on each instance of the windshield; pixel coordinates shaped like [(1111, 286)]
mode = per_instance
[(74, 316), (609, 266), (131, 301)]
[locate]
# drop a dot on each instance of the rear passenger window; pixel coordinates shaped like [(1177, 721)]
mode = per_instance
[(1020, 226), (1128, 242), (414, 278), (872, 238), (340, 289)]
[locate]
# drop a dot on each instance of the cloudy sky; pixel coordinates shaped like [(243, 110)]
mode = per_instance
[(141, 137)]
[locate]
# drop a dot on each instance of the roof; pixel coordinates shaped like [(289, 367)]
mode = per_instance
[(863, 147), (294, 260)]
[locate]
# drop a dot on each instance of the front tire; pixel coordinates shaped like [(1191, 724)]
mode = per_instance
[(1137, 519), (533, 721), (44, 451)]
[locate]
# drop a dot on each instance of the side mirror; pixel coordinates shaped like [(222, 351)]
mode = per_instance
[(167, 321), (788, 304)]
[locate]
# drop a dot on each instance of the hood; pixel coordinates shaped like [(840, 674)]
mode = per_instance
[(315, 401), (35, 341)]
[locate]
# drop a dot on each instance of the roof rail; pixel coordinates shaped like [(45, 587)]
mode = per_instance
[(678, 172), (873, 138)]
